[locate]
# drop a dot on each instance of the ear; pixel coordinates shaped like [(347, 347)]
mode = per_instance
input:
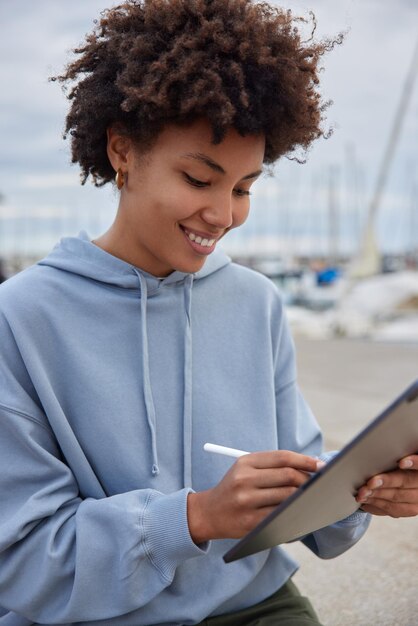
[(119, 149)]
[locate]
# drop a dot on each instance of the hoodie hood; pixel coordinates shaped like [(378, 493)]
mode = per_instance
[(80, 256)]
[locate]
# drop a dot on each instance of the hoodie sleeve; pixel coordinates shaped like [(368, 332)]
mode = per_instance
[(298, 430), (65, 558)]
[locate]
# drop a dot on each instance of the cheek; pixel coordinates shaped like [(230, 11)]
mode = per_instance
[(181, 203)]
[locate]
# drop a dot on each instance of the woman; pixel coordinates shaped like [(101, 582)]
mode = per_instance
[(124, 355)]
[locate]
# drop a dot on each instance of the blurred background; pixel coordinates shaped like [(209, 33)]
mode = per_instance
[(339, 234)]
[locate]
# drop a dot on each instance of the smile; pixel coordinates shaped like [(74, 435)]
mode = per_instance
[(202, 241)]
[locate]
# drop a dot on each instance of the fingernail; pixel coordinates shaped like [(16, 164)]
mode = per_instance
[(377, 483), (405, 463), (365, 495), (320, 465)]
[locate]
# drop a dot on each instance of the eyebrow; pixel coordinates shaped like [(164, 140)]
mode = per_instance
[(203, 158)]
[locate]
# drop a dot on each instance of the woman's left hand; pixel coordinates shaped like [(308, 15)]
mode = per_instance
[(392, 493)]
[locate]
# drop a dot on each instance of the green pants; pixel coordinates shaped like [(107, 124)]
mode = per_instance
[(286, 607)]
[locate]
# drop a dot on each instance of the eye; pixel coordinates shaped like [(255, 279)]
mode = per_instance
[(242, 193), (194, 181)]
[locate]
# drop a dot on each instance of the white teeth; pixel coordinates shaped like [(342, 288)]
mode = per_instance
[(202, 242)]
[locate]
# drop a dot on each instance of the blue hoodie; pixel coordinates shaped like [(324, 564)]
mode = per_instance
[(111, 381)]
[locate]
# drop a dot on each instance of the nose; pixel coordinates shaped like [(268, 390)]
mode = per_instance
[(219, 212)]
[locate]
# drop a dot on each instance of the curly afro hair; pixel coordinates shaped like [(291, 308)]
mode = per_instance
[(239, 63)]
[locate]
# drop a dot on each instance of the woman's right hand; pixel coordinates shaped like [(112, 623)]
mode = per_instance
[(250, 490)]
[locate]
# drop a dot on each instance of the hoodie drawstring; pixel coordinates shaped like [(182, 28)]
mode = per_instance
[(187, 408), (187, 393), (149, 401)]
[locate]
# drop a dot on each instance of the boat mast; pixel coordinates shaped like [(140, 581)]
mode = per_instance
[(368, 261)]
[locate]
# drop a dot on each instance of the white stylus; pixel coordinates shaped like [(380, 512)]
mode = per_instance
[(213, 447)]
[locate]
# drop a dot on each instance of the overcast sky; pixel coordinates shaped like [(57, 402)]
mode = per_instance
[(364, 77)]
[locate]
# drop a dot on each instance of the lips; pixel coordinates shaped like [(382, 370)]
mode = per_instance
[(202, 243), (202, 239)]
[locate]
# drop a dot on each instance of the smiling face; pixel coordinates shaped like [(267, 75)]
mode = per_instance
[(181, 197)]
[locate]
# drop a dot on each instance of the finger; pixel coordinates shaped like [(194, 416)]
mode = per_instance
[(398, 478), (280, 477), (269, 497), (264, 511), (261, 513), (407, 496), (409, 462), (393, 509), (281, 458), (367, 508)]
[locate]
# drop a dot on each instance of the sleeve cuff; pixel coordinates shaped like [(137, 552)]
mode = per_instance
[(166, 532), (356, 518)]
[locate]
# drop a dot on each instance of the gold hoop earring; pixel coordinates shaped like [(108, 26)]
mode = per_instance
[(120, 179)]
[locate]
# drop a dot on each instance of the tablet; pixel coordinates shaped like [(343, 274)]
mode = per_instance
[(329, 495)]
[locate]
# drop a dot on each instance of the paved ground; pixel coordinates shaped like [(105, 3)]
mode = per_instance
[(347, 383)]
